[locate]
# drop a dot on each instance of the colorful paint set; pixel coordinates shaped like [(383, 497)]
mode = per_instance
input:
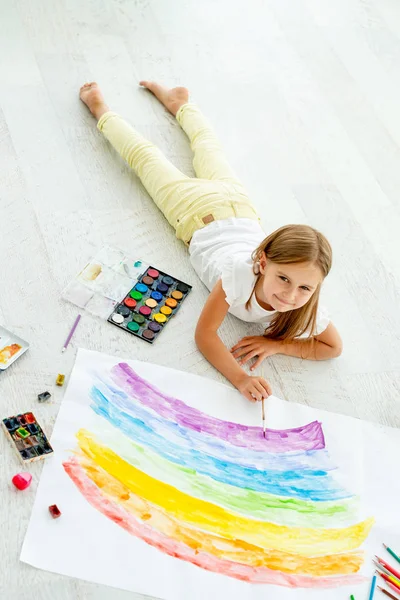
[(27, 437), (128, 293), (11, 348), (150, 304)]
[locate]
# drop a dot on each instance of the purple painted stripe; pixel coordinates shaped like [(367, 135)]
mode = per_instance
[(307, 437)]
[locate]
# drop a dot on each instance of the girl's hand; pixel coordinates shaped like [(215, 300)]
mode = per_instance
[(254, 388), (256, 345)]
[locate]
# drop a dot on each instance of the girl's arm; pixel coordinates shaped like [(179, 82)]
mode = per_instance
[(327, 344), (214, 350)]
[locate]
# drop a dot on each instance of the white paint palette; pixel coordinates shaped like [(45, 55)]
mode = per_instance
[(11, 348)]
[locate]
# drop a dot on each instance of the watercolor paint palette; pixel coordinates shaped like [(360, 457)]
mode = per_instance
[(150, 304), (128, 293), (27, 437), (11, 348)]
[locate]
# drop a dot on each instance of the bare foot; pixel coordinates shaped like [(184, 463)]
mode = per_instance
[(172, 98), (91, 95)]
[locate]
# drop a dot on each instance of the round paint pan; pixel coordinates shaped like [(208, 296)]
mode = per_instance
[(140, 287), (171, 302), (153, 273), (132, 326), (166, 310), (147, 280), (138, 319), (167, 280), (162, 288), (177, 295), (130, 302), (159, 317), (156, 296), (135, 295), (153, 326), (151, 303), (118, 319), (182, 287), (123, 310), (148, 334), (145, 310)]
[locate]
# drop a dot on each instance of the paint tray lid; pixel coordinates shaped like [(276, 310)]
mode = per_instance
[(105, 279), (11, 348)]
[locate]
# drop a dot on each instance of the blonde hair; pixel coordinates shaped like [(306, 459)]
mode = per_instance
[(293, 244)]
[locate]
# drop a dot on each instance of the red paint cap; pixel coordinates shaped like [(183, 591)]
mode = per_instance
[(54, 511), (22, 480)]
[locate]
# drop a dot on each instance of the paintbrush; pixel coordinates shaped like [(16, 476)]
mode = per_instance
[(263, 415)]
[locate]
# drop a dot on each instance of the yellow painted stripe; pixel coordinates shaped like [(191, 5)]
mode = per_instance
[(215, 519), (232, 550)]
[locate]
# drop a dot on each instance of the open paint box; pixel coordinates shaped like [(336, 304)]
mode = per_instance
[(11, 348), (27, 437), (128, 293), (150, 304)]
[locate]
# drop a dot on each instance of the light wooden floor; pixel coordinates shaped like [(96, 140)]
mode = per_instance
[(305, 95)]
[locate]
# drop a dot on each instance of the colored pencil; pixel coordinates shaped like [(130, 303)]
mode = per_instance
[(393, 588), (263, 415), (392, 553), (388, 567), (372, 591), (388, 593), (383, 569), (390, 579), (71, 333)]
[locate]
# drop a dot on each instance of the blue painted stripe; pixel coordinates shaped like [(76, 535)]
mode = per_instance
[(179, 445)]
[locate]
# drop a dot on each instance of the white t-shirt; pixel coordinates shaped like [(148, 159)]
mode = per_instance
[(222, 250)]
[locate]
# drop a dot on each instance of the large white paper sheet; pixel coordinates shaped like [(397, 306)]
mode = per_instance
[(167, 488)]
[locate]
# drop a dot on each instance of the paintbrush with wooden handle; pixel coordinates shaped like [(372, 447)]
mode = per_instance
[(263, 415)]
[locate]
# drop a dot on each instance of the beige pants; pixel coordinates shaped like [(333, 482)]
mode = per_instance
[(188, 203)]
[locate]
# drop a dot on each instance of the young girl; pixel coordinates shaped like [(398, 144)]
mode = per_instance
[(273, 280)]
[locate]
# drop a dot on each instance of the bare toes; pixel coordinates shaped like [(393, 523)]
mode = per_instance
[(152, 86)]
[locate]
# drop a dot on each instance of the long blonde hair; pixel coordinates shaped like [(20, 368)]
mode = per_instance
[(289, 245)]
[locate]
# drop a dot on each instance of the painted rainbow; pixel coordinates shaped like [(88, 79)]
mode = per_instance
[(217, 494)]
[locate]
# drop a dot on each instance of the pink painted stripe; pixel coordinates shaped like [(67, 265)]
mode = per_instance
[(206, 561), (307, 437)]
